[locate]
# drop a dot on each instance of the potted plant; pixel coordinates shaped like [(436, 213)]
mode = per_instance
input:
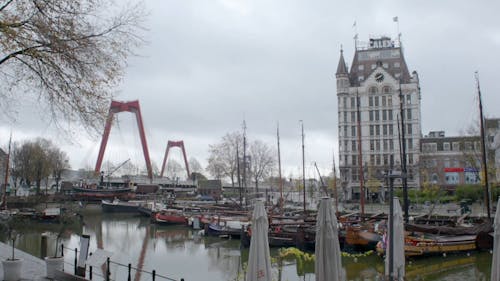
[(11, 266), (56, 262)]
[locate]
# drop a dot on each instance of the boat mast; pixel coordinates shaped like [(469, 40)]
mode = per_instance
[(245, 161), (335, 194), (303, 167), (7, 160), (483, 150), (238, 172), (403, 155), (279, 169), (360, 159)]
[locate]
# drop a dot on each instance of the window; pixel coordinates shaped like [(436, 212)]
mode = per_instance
[(374, 66), (370, 101), (373, 90), (353, 102), (361, 78), (355, 173), (397, 75), (353, 131), (354, 158), (361, 67), (410, 158), (451, 177), (353, 116), (384, 130), (377, 130), (345, 146), (396, 64), (389, 100), (371, 115), (377, 159), (389, 113), (371, 130), (409, 130), (456, 146), (385, 145), (384, 100), (472, 178), (386, 160), (391, 144), (377, 115), (446, 146), (384, 114), (344, 101), (468, 146), (353, 146), (386, 90), (372, 159), (385, 65), (372, 145), (408, 99), (345, 131), (377, 145), (391, 130), (410, 143), (345, 116), (408, 114), (376, 101)]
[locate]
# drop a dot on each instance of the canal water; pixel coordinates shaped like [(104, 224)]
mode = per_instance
[(179, 252)]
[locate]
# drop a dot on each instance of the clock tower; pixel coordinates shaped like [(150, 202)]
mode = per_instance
[(379, 90)]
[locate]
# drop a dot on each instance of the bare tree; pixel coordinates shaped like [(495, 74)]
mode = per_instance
[(262, 163), (222, 157), (34, 161), (67, 54), (195, 165), (173, 169)]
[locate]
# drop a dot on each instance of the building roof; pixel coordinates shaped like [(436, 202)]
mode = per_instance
[(380, 52), (342, 67)]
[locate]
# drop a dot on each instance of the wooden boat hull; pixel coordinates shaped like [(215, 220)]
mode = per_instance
[(415, 246)]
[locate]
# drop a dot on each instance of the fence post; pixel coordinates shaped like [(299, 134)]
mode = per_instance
[(62, 250), (129, 270), (108, 273), (90, 269), (154, 274), (76, 259)]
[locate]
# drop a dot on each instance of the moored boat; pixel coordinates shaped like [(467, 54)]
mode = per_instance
[(169, 217), (118, 206)]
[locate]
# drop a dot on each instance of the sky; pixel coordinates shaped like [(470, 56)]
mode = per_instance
[(209, 65)]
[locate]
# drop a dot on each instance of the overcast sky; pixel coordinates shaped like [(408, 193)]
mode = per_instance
[(209, 65)]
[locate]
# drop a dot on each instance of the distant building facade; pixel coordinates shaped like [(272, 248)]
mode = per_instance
[(492, 134), (448, 162), (379, 80)]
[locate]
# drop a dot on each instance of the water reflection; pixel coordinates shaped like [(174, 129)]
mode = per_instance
[(180, 252)]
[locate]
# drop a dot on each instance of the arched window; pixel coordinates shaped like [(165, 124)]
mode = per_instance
[(373, 90), (386, 90)]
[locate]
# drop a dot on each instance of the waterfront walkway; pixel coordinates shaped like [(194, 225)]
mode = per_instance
[(33, 267)]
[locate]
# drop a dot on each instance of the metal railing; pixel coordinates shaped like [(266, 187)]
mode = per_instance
[(107, 275)]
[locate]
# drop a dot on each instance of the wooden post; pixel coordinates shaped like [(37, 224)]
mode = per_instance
[(129, 270), (154, 274), (43, 246)]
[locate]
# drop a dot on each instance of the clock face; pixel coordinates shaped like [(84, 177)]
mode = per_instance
[(379, 77)]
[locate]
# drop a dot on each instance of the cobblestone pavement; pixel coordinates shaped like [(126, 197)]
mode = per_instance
[(33, 268)]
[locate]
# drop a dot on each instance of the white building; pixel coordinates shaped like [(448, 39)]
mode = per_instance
[(378, 77)]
